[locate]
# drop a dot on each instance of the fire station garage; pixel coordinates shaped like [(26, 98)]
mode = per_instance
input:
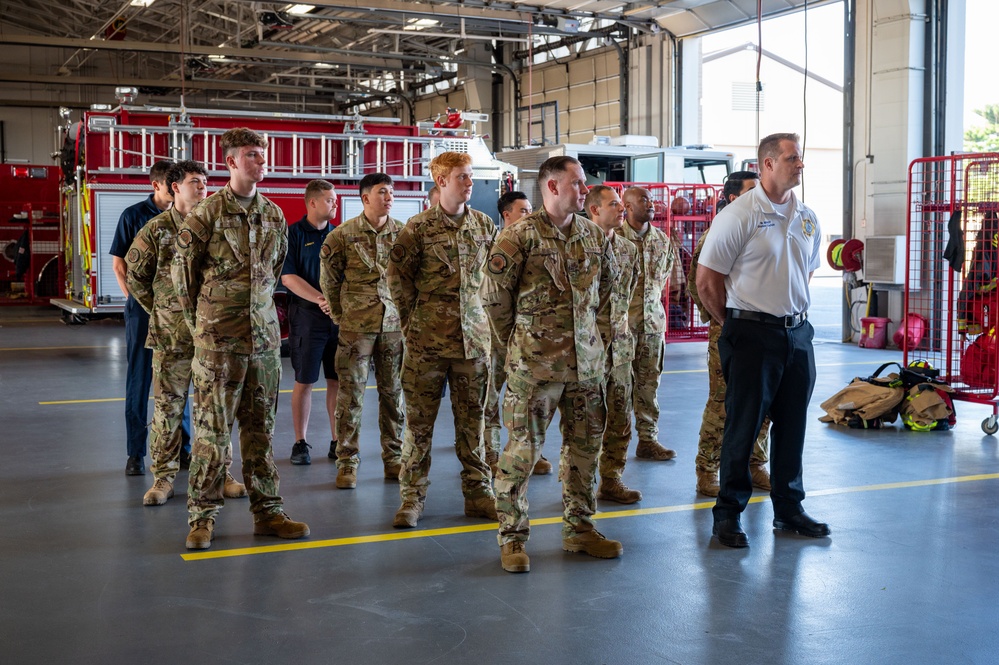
[(877, 366)]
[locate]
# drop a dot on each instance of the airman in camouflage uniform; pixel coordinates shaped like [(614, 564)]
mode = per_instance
[(553, 271), (230, 252), (512, 207), (713, 421), (434, 275), (353, 263), (647, 319), (148, 277), (606, 210)]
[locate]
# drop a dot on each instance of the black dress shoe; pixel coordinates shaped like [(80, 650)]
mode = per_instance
[(803, 525), (134, 466), (730, 533)]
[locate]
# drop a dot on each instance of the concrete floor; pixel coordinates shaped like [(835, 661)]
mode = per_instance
[(88, 575)]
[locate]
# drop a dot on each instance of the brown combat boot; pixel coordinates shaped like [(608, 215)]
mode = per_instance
[(514, 558), (492, 459), (483, 505), (346, 478), (593, 543), (612, 489), (542, 467), (280, 525), (408, 515), (651, 450), (158, 494), (201, 535), (760, 475), (392, 470), (707, 483), (233, 489)]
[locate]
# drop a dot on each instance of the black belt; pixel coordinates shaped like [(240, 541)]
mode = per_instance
[(792, 321)]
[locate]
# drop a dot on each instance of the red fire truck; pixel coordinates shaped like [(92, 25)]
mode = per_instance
[(107, 157)]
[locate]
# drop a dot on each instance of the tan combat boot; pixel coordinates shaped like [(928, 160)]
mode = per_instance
[(514, 558), (346, 478), (201, 535), (408, 515), (707, 483), (483, 505), (280, 525), (542, 467), (233, 489), (158, 494), (760, 475), (651, 450), (593, 543), (392, 470), (612, 489), (492, 459)]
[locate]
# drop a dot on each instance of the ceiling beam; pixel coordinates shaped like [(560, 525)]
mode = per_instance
[(109, 81), (153, 47)]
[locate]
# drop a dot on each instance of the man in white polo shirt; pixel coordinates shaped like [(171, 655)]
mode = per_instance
[(753, 277)]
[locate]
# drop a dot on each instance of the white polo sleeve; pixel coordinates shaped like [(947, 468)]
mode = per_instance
[(724, 245)]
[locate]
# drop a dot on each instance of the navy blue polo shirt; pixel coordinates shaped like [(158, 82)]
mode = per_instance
[(132, 219), (304, 243)]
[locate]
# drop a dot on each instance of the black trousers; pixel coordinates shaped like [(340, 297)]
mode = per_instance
[(769, 370)]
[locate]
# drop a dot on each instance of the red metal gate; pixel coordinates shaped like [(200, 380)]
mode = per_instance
[(952, 272)]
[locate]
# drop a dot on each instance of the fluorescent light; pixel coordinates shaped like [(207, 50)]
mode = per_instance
[(421, 24), (299, 9), (323, 65), (141, 3)]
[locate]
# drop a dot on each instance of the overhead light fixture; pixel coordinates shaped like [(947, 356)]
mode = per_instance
[(141, 3), (299, 10), (323, 65), (218, 58), (421, 23)]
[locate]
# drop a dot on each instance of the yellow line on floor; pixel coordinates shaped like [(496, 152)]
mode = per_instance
[(872, 363), (637, 512)]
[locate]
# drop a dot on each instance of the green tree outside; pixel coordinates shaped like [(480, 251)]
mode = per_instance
[(984, 138)]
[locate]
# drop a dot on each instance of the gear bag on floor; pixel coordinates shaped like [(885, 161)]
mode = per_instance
[(869, 403)]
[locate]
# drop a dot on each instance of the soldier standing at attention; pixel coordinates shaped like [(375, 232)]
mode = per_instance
[(148, 277), (140, 359), (553, 271), (606, 210), (512, 207), (313, 335), (435, 271), (353, 264), (230, 251), (648, 319), (753, 279), (713, 420)]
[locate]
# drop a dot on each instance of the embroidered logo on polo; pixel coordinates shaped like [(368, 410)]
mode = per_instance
[(765, 224), (807, 226)]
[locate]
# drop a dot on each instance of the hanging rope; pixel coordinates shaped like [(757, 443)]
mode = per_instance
[(759, 63)]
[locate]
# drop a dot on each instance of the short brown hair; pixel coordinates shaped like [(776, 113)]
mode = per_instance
[(595, 196), (238, 137), (442, 164), (315, 189), (770, 145), (159, 171), (553, 166)]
